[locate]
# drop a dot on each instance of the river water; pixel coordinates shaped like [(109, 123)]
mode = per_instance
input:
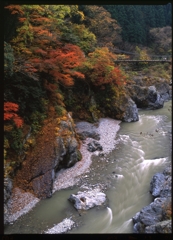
[(142, 149)]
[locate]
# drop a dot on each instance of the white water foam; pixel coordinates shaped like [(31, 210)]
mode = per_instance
[(120, 176), (125, 225), (110, 215), (157, 119), (148, 162)]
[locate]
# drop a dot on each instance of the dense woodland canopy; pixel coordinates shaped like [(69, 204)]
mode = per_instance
[(49, 50), (137, 20)]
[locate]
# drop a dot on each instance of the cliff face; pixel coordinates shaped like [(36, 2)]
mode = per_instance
[(56, 147)]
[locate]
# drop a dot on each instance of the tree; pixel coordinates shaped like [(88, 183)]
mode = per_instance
[(10, 110), (80, 36), (60, 63), (99, 68), (136, 20), (38, 47), (98, 20), (142, 54), (161, 39)]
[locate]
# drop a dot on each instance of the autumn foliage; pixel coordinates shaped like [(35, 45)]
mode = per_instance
[(99, 21), (15, 9), (10, 110), (60, 63), (100, 68)]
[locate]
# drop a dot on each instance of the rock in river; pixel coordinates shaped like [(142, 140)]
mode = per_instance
[(131, 112), (93, 146), (156, 184), (61, 227), (87, 199)]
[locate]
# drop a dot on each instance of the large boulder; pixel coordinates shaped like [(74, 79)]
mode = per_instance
[(131, 112), (125, 109), (94, 146), (163, 89), (62, 227), (69, 153), (146, 97), (154, 98), (87, 130), (87, 199), (160, 185), (149, 215), (87, 134), (161, 227), (156, 184)]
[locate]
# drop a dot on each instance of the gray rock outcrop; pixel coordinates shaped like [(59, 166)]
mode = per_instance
[(156, 184), (155, 218), (161, 227), (67, 152), (131, 112), (146, 97), (160, 185), (163, 89), (60, 150), (87, 199), (7, 193)]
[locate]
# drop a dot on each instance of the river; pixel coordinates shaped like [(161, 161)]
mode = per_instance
[(142, 149)]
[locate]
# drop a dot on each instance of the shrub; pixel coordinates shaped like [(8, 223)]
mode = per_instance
[(60, 110), (37, 119), (15, 139)]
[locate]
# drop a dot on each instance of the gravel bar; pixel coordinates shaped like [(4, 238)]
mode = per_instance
[(107, 129)]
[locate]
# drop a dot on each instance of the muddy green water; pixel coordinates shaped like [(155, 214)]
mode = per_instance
[(143, 148)]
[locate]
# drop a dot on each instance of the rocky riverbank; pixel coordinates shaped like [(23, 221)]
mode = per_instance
[(22, 201), (157, 217)]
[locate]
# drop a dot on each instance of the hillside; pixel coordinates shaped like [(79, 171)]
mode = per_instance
[(59, 68)]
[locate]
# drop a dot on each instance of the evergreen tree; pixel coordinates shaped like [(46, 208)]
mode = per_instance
[(160, 17), (137, 20)]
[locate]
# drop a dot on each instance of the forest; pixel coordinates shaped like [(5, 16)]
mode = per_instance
[(56, 57), (136, 21)]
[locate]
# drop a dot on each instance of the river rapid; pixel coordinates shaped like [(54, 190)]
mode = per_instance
[(142, 149)]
